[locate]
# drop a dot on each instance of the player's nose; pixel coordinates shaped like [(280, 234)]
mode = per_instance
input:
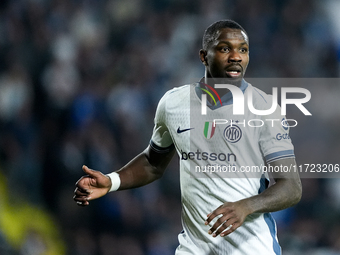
[(234, 56)]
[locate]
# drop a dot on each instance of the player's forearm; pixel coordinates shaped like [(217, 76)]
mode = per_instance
[(144, 169), (138, 172), (283, 194)]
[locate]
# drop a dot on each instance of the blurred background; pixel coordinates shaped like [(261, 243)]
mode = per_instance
[(79, 84)]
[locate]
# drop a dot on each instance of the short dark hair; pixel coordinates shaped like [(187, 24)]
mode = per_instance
[(211, 33)]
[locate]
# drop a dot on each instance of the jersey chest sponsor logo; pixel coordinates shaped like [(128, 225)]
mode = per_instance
[(232, 133)]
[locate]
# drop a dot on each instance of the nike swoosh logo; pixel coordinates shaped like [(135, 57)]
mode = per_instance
[(183, 130)]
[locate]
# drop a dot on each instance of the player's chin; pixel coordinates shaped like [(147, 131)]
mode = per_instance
[(233, 80)]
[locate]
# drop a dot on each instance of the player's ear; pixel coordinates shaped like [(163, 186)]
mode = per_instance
[(203, 57)]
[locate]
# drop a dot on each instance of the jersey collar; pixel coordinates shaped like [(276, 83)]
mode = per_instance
[(226, 99)]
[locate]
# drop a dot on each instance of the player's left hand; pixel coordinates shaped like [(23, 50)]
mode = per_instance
[(233, 216)]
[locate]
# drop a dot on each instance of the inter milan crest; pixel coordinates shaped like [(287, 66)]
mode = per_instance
[(209, 129), (232, 133)]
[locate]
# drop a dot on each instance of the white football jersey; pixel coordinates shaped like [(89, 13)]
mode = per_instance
[(216, 162)]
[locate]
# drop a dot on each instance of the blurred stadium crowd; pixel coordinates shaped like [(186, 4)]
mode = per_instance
[(79, 84)]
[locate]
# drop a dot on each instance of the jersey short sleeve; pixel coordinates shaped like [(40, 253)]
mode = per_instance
[(161, 140), (275, 142)]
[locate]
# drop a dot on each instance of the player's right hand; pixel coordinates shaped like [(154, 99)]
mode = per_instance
[(93, 185)]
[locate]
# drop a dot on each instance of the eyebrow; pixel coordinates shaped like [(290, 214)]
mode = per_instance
[(227, 42)]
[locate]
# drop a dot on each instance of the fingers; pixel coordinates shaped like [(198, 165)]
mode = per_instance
[(85, 180), (228, 230), (82, 196), (220, 210), (225, 224), (82, 203), (91, 186), (81, 200), (83, 185), (223, 229), (82, 192), (89, 171)]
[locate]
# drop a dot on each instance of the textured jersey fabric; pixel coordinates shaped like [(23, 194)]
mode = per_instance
[(207, 151)]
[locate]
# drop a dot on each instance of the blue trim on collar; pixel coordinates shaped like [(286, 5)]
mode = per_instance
[(226, 99)]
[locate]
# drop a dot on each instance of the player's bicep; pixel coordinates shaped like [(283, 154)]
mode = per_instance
[(283, 168), (159, 159), (284, 171), (287, 177), (161, 148)]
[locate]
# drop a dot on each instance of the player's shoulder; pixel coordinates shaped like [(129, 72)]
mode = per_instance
[(177, 93), (174, 98)]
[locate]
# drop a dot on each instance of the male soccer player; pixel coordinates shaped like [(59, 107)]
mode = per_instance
[(222, 213)]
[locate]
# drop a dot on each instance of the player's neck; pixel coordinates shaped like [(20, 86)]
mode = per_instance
[(221, 92)]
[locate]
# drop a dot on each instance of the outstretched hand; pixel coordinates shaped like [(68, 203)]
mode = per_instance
[(233, 216), (93, 185)]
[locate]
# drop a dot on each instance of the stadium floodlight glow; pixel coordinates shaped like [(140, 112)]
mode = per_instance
[(238, 100)]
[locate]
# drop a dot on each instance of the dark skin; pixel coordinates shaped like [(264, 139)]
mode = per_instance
[(227, 57), (145, 168)]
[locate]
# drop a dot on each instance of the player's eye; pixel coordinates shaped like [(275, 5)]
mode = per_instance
[(243, 50), (225, 49)]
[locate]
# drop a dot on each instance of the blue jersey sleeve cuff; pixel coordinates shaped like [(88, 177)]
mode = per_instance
[(279, 155), (159, 149)]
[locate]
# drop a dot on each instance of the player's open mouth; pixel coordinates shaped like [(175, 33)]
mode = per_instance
[(233, 74)]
